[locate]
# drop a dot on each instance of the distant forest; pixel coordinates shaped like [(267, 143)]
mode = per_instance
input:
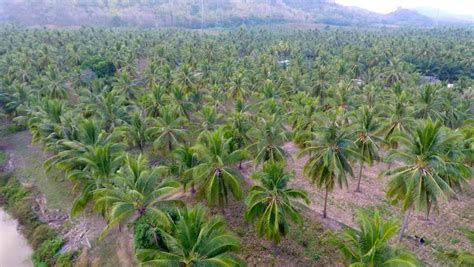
[(197, 13)]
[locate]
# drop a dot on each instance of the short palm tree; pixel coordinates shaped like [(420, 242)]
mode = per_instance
[(329, 161), (418, 182), (187, 159), (136, 190), (194, 240), (134, 131), (215, 175), (168, 128), (98, 165), (269, 135), (272, 204), (369, 245)]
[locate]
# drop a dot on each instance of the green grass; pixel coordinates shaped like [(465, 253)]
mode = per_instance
[(3, 157), (29, 167)]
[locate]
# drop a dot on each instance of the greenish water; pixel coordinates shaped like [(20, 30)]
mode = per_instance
[(14, 249)]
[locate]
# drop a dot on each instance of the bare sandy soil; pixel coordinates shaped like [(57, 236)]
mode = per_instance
[(442, 231)]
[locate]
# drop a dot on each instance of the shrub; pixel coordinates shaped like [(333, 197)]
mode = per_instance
[(12, 191), (66, 259), (41, 233), (26, 217), (143, 233), (100, 66), (14, 128), (3, 157), (47, 252)]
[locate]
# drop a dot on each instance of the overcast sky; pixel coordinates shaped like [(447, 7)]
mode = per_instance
[(461, 7)]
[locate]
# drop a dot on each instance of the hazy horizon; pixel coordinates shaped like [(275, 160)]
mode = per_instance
[(454, 7)]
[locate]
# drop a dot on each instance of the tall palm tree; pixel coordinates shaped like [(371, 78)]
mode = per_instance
[(194, 240), (329, 161), (136, 190), (369, 246), (418, 182), (215, 175), (400, 119), (367, 140), (272, 204)]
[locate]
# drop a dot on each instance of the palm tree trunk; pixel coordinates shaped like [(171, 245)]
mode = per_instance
[(405, 224), (360, 176), (222, 209), (428, 207), (389, 165), (325, 202)]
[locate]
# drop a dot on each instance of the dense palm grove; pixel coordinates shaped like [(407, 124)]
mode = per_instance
[(140, 121)]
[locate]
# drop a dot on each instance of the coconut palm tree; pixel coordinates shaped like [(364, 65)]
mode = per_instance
[(272, 204), (269, 135), (186, 159), (329, 162), (167, 129), (215, 175), (399, 120), (133, 132), (136, 190), (369, 246), (209, 118), (194, 240), (418, 182), (367, 141)]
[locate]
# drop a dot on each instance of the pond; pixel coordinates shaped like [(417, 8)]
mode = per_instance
[(14, 249)]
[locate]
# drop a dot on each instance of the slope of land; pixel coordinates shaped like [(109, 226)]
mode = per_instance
[(195, 14)]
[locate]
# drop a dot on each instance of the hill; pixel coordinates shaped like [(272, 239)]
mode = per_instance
[(196, 14), (407, 17)]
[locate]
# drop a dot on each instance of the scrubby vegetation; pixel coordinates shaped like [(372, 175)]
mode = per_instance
[(151, 125), (19, 201)]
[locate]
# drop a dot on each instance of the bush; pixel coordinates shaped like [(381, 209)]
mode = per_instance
[(14, 128), (143, 233), (66, 259), (47, 252), (100, 66), (11, 190), (41, 233), (26, 217), (3, 157), (4, 178)]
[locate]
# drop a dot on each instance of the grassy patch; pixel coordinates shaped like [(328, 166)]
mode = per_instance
[(18, 200), (28, 161), (314, 240), (3, 157)]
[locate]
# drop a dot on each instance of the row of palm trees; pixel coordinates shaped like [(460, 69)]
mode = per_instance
[(206, 104)]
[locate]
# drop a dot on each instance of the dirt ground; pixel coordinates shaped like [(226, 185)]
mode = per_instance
[(442, 231), (304, 246)]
